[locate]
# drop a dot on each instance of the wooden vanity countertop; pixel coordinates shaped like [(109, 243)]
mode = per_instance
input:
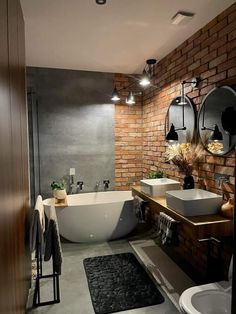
[(160, 203)]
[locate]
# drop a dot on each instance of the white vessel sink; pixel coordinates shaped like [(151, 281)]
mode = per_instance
[(193, 202), (158, 187), (212, 302)]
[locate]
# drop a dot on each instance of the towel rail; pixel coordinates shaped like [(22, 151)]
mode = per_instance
[(39, 275)]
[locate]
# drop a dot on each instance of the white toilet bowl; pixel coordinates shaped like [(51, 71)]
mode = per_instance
[(213, 298)]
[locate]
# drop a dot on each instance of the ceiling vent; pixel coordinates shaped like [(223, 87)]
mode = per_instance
[(181, 17), (101, 2)]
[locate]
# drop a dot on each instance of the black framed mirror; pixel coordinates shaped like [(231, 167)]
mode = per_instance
[(217, 120), (180, 119)]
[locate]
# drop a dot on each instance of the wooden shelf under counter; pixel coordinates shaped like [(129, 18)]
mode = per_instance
[(204, 225)]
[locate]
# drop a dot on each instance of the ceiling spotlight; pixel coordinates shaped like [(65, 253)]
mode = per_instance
[(130, 100), (148, 72), (145, 79), (115, 96), (101, 1)]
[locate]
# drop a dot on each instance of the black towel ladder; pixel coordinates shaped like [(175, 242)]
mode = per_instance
[(39, 275)]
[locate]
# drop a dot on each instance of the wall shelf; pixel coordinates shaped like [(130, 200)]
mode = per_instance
[(205, 225)]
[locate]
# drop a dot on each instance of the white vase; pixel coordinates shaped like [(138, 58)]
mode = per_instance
[(59, 194)]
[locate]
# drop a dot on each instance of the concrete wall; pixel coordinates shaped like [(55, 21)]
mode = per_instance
[(75, 126)]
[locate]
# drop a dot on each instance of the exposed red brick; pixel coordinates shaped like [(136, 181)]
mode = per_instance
[(228, 29), (208, 73), (207, 42), (201, 54), (218, 43), (232, 17), (218, 27), (232, 35), (187, 48), (232, 72), (225, 170), (218, 61), (140, 140), (218, 77), (227, 65), (228, 47), (210, 56), (194, 65)]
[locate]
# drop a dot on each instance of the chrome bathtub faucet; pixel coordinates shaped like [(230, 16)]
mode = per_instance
[(106, 184), (98, 183), (72, 184), (80, 185)]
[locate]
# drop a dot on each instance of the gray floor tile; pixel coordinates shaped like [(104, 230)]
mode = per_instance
[(75, 297)]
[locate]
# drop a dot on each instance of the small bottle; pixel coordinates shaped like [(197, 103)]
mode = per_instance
[(227, 208)]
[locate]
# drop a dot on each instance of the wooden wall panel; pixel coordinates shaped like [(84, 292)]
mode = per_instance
[(14, 194)]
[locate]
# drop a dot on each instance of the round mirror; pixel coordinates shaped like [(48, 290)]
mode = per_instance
[(180, 120), (217, 120)]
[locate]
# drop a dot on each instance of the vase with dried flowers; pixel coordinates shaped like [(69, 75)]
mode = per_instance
[(185, 156)]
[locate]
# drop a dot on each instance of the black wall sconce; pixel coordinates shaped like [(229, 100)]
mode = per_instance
[(194, 83), (144, 81), (216, 135), (172, 135)]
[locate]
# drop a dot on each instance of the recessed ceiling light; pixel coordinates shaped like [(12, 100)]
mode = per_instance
[(181, 17), (101, 1)]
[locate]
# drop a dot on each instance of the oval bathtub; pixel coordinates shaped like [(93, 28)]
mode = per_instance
[(99, 216)]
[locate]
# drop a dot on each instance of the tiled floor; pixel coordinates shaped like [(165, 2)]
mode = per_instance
[(75, 297)]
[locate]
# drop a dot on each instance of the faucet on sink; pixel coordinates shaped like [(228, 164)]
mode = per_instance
[(221, 178)]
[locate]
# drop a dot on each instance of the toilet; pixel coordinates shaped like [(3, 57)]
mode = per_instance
[(209, 298)]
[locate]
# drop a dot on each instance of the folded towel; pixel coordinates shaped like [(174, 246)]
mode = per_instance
[(52, 242), (139, 208), (166, 228)]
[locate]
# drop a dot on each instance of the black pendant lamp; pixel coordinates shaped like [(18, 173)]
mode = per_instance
[(115, 96), (172, 135), (216, 135), (130, 100)]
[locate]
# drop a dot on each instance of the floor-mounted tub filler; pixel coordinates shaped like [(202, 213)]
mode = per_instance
[(99, 216)]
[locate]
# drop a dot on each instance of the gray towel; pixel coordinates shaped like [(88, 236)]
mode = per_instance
[(37, 226), (139, 208), (35, 232), (52, 242), (166, 228)]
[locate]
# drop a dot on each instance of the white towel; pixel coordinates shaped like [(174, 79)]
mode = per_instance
[(39, 206), (165, 228)]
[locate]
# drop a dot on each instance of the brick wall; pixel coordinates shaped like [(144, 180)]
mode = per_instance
[(128, 137), (140, 130), (140, 141), (211, 54)]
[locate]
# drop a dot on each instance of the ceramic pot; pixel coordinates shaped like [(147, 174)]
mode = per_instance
[(188, 183), (227, 208), (59, 194)]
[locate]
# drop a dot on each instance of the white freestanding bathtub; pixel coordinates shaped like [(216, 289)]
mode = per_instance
[(99, 216)]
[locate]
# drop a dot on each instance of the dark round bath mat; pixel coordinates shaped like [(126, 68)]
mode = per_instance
[(118, 283)]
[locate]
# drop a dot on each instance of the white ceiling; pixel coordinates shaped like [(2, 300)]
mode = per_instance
[(116, 37)]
